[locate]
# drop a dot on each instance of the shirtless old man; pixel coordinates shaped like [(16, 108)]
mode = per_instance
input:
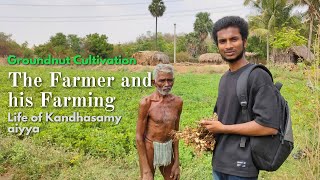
[(159, 114)]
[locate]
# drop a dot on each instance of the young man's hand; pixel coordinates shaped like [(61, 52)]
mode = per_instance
[(251, 128), (213, 126)]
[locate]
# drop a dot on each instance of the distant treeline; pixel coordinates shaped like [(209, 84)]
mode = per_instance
[(270, 29)]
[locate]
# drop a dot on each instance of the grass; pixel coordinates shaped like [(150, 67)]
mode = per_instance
[(107, 151)]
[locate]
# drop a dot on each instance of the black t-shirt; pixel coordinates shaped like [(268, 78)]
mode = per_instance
[(228, 156)]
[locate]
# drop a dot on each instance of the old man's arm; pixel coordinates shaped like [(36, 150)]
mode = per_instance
[(175, 171), (145, 169)]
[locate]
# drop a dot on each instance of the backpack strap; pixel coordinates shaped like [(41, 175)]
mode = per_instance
[(242, 94)]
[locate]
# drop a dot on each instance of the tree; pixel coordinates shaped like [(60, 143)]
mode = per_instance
[(193, 43), (74, 43), (117, 50), (288, 37), (4, 44), (5, 37), (203, 25), (313, 13), (98, 45), (59, 40), (9, 46), (43, 50), (59, 44), (157, 8), (26, 52), (181, 43), (272, 14), (257, 45), (57, 47), (258, 28)]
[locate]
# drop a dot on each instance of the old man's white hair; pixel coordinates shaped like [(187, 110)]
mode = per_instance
[(166, 68)]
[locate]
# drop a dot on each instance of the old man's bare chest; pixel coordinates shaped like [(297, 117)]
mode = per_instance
[(163, 112)]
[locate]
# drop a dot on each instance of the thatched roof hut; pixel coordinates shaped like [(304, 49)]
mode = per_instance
[(159, 57), (214, 58), (293, 55), (151, 57), (301, 52)]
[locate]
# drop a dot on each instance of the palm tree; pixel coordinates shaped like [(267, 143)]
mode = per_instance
[(313, 13), (203, 25), (193, 42), (273, 13), (157, 8)]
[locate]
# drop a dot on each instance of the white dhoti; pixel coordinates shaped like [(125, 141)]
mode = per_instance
[(162, 155)]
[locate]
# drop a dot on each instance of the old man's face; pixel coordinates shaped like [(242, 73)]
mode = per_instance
[(164, 83)]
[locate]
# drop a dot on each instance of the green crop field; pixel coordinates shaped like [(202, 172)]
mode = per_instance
[(103, 150)]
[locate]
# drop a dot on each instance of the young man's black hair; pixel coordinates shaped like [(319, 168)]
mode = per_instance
[(230, 21)]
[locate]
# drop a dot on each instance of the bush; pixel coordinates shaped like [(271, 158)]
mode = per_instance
[(183, 57)]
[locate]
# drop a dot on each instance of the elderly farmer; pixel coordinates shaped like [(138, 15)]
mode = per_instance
[(159, 114)]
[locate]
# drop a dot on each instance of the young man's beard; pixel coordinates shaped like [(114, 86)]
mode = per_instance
[(237, 58)]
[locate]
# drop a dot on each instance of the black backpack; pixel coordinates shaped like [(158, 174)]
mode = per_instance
[(268, 152)]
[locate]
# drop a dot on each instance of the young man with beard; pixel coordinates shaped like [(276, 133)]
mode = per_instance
[(231, 160), (159, 114)]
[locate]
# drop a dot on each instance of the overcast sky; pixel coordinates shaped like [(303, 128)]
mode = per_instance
[(122, 21)]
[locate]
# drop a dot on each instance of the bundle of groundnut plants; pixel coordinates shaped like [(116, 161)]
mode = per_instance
[(198, 137)]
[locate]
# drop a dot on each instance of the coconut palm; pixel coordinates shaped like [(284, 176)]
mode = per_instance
[(312, 13), (157, 8), (272, 14)]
